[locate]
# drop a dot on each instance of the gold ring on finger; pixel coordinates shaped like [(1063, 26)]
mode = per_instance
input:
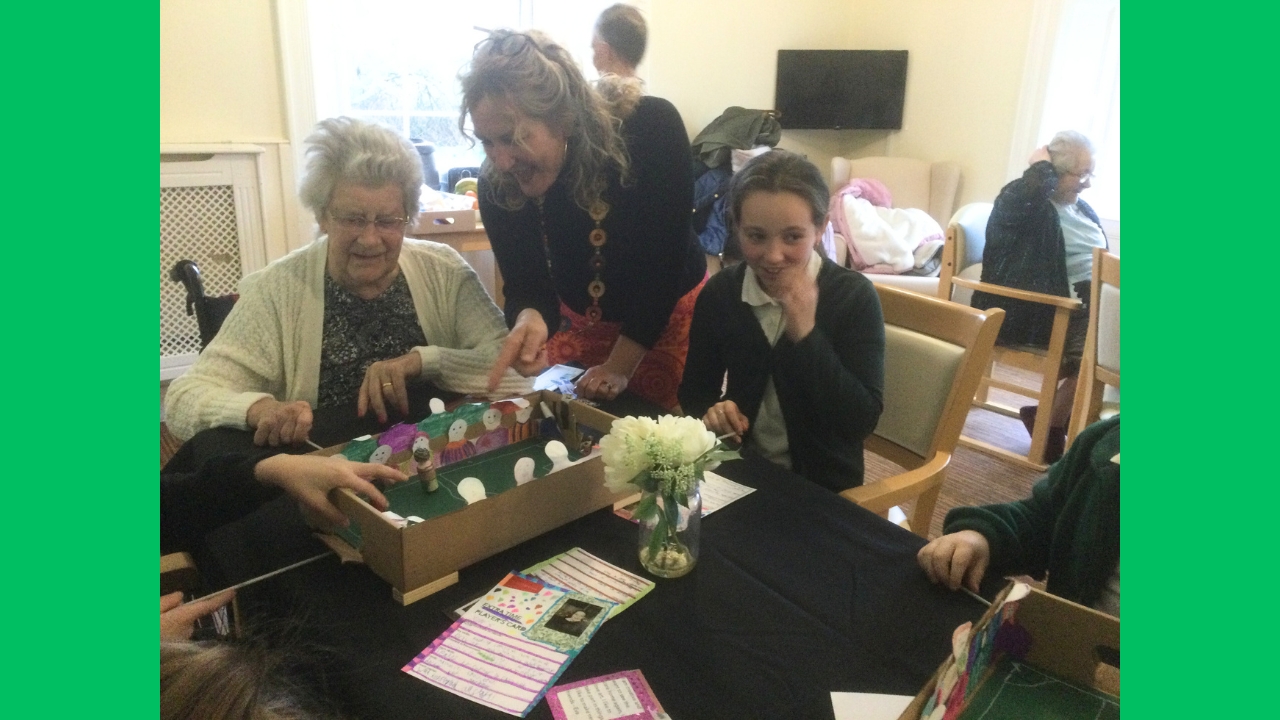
[(386, 385)]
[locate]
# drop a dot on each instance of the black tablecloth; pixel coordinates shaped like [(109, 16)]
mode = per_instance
[(797, 593)]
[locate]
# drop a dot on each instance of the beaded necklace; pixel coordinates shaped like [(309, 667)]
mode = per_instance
[(598, 237)]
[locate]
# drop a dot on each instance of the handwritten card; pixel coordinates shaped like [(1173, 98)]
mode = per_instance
[(512, 643), (620, 696), (718, 491), (489, 667), (579, 570)]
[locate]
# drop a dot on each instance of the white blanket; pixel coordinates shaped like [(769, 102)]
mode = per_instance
[(884, 240)]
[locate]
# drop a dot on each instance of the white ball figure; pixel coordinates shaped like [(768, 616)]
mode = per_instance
[(381, 456), (558, 454), (471, 490), (436, 405), (524, 470)]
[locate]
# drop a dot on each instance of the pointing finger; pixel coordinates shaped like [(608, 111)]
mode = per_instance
[(510, 349)]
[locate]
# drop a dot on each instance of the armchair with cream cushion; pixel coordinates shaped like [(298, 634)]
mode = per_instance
[(932, 187)]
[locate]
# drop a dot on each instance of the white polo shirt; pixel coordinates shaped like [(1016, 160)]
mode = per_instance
[(1080, 235), (769, 431)]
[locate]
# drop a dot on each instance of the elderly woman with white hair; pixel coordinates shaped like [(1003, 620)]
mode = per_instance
[(1040, 237), (355, 316)]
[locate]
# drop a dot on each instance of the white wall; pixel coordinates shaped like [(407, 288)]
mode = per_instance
[(220, 83), (963, 78), (706, 56), (220, 78)]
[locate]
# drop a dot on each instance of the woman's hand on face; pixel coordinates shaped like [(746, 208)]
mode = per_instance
[(386, 384), (724, 418), (178, 620), (525, 349), (1039, 154), (800, 307), (311, 478), (278, 423), (601, 383), (959, 557)]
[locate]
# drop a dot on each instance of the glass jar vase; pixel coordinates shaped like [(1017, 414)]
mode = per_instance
[(669, 530)]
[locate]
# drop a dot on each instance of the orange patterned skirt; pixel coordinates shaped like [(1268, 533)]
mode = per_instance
[(657, 379)]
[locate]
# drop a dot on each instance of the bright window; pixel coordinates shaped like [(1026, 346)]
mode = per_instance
[(1083, 92), (396, 62)]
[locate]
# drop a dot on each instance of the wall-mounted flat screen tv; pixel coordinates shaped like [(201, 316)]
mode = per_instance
[(841, 89)]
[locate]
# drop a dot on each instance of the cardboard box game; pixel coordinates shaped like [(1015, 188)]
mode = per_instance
[(1031, 654), (423, 558)]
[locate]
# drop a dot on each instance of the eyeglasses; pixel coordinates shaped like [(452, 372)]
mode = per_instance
[(357, 223), (1084, 177)]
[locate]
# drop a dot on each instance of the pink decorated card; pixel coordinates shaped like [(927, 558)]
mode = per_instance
[(620, 696)]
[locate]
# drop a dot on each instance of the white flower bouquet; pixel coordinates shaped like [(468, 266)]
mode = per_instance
[(665, 459)]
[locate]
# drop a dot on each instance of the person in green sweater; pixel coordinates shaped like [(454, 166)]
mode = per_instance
[(1069, 528)]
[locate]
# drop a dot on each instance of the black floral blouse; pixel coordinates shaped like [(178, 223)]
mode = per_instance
[(358, 333)]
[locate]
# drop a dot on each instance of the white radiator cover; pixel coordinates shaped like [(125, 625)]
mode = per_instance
[(211, 213)]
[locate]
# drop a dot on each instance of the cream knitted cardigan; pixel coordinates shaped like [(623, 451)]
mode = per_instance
[(269, 345)]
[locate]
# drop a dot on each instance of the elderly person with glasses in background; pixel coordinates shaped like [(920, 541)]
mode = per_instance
[(1040, 237), (586, 198), (355, 315)]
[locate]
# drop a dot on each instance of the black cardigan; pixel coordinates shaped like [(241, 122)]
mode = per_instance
[(830, 385), (195, 502), (652, 256), (1025, 250), (1069, 527)]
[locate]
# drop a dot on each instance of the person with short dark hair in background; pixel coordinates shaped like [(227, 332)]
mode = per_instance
[(619, 41)]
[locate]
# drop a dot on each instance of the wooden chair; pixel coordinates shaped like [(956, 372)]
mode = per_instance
[(935, 353), (966, 238), (960, 277), (1100, 365)]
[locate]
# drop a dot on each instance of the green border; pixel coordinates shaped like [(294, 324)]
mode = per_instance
[(79, 299), (1197, 90)]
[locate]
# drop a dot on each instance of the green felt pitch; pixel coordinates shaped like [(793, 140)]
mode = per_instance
[(495, 469), (1019, 692)]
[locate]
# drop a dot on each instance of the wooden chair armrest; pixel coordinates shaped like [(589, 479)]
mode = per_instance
[(879, 496), (1035, 297)]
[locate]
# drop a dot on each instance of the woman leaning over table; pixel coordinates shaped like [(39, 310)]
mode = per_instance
[(587, 204), (353, 316)]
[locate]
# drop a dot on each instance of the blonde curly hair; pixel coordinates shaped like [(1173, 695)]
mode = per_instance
[(542, 82)]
